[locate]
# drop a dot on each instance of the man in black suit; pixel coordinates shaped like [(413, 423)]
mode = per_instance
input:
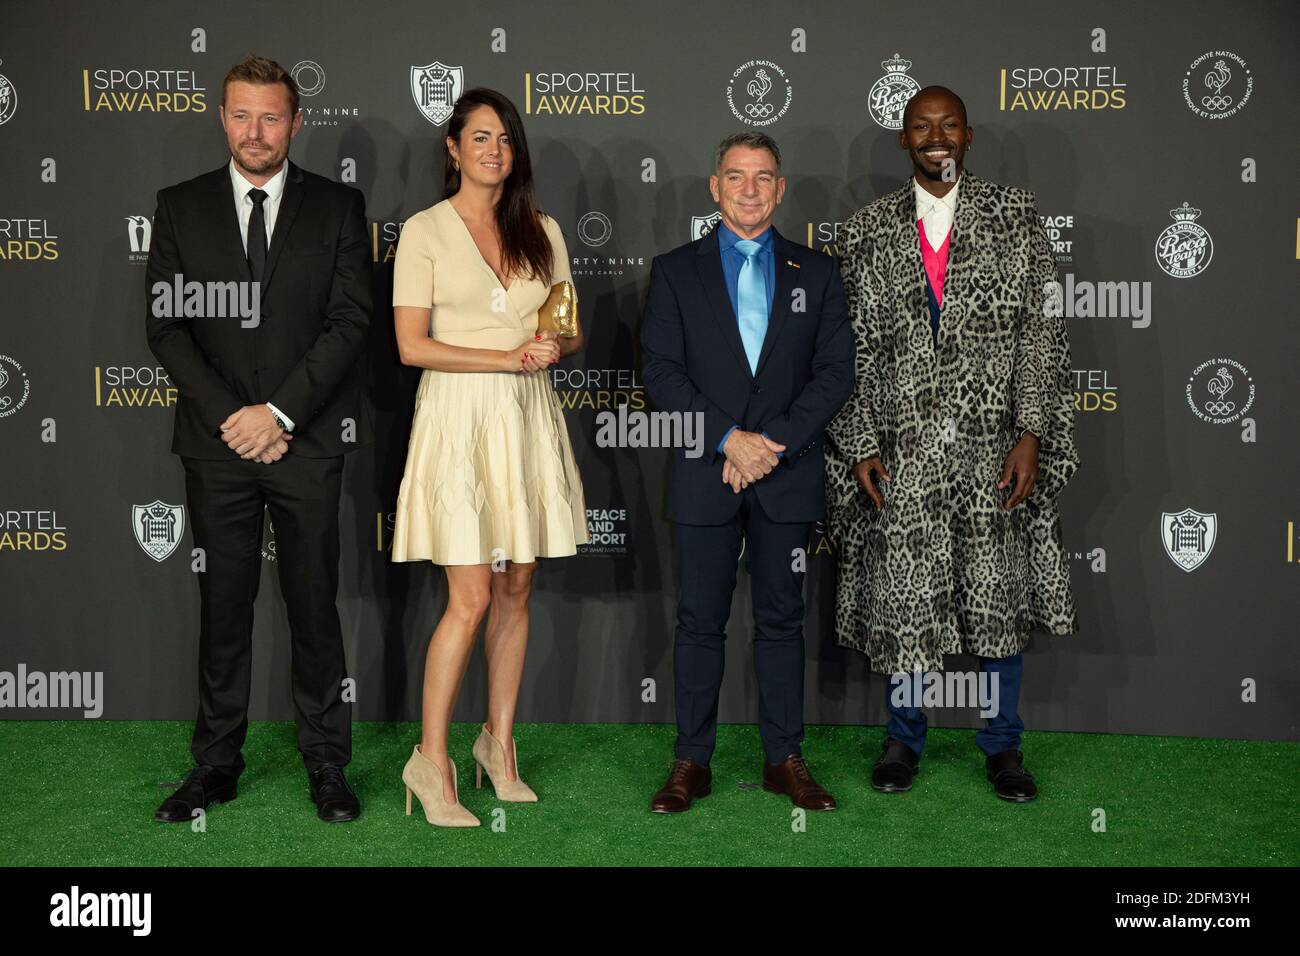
[(270, 401), (749, 333)]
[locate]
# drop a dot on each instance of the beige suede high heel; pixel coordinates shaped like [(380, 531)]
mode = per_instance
[(490, 755), (423, 776)]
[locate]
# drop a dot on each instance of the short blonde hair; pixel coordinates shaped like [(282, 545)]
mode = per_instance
[(258, 69)]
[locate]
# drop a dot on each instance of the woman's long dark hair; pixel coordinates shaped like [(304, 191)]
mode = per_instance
[(525, 247)]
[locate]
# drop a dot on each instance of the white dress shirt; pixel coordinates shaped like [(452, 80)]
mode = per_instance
[(936, 212), (274, 190)]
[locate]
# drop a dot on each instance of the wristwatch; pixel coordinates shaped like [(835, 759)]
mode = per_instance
[(278, 420)]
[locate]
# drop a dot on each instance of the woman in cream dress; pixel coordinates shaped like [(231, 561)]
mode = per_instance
[(490, 483)]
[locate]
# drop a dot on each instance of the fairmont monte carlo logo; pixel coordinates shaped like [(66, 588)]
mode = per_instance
[(435, 88)]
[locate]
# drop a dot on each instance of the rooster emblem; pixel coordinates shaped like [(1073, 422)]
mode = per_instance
[(1218, 387), (760, 85), (1218, 77)]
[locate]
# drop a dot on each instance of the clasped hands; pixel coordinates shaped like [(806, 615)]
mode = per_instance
[(252, 433), (750, 456), (1021, 464), (538, 353)]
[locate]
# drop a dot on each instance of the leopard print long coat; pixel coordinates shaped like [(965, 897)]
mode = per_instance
[(941, 568)]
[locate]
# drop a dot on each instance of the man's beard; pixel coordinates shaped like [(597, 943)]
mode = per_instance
[(260, 161)]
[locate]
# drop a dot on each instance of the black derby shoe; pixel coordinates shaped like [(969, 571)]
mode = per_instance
[(894, 771), (1011, 781), (334, 799), (205, 785)]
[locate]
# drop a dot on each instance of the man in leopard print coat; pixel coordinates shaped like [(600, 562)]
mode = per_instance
[(944, 468)]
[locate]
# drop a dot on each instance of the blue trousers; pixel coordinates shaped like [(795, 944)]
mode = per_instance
[(1001, 732), (707, 556)]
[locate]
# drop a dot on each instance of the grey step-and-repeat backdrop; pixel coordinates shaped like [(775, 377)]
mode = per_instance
[(1160, 139)]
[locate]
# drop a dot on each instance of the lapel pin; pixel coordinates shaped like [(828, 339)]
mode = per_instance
[(793, 265)]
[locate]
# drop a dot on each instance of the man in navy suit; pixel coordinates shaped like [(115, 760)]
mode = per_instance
[(748, 332)]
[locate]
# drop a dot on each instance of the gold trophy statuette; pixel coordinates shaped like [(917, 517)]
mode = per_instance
[(559, 313)]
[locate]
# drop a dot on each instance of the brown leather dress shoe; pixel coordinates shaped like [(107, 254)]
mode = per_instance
[(792, 777), (686, 780)]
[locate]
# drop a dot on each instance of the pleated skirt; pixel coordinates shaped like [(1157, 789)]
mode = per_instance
[(489, 474)]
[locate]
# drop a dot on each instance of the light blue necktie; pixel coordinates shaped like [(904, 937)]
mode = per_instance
[(751, 301)]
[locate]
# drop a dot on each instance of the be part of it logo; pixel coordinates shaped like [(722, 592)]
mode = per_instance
[(754, 91), (890, 93), (1184, 249), (15, 387), (1188, 537), (1217, 84), (435, 88), (8, 99), (139, 230), (1220, 391), (158, 528)]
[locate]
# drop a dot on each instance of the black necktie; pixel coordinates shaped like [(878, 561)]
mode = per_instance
[(257, 234)]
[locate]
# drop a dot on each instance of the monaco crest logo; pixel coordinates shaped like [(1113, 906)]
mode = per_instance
[(1188, 537), (435, 88)]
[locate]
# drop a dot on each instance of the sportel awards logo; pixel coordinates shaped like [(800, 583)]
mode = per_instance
[(384, 237), (755, 90), (583, 94), (825, 236), (1184, 249), (142, 91), (1094, 391), (27, 240), (889, 94), (1051, 88), (436, 87), (1217, 85), (130, 386)]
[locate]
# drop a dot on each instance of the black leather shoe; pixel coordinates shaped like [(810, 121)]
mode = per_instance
[(894, 771), (1011, 781), (334, 799), (204, 786)]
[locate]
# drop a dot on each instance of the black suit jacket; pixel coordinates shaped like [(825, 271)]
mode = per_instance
[(694, 361), (316, 301)]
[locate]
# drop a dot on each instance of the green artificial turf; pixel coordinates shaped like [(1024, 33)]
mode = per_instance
[(83, 793)]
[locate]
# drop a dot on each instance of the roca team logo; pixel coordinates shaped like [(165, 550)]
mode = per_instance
[(15, 387), (701, 226), (1184, 249), (1189, 537), (158, 528), (1220, 391), (1217, 84), (435, 88), (754, 91), (8, 99), (890, 93)]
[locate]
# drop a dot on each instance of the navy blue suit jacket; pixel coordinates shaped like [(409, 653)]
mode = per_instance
[(694, 361)]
